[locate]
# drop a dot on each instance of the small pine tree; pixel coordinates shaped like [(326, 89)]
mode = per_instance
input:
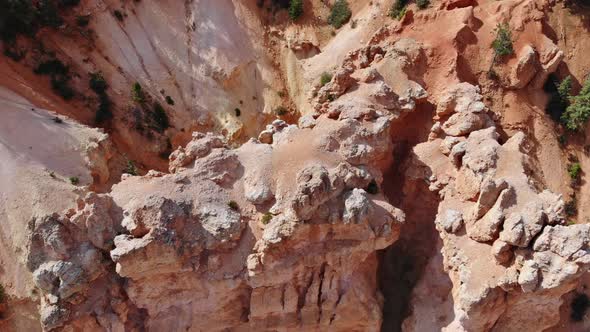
[(340, 14), (503, 43), (137, 93), (578, 111), (295, 9)]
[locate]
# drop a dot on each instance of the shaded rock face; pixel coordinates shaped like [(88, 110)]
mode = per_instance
[(505, 246)]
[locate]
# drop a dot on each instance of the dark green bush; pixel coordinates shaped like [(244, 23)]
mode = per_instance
[(16, 17), (579, 306), (373, 188), (82, 20), (502, 45), (2, 294), (575, 172), (325, 78), (169, 100), (422, 4), (559, 95), (281, 110), (97, 83), (398, 9), (266, 218), (118, 15), (237, 111), (137, 93), (295, 9), (577, 112), (233, 205), (340, 14), (61, 86), (52, 67), (130, 168), (47, 14), (160, 118), (74, 180)]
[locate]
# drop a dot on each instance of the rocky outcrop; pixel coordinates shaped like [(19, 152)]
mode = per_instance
[(271, 235), (505, 244)]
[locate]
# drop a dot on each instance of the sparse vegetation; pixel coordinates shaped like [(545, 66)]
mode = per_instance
[(82, 20), (233, 205), (353, 24), (325, 78), (372, 188), (398, 9), (422, 4), (169, 101), (579, 306), (137, 93), (97, 83), (57, 120), (502, 45), (340, 14), (118, 15), (61, 86), (160, 118), (2, 294), (130, 168), (577, 112), (575, 172), (266, 218), (295, 9), (559, 95), (237, 111), (571, 207), (59, 74), (74, 180), (281, 110)]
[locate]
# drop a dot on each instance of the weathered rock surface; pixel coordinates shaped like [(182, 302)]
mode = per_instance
[(504, 242)]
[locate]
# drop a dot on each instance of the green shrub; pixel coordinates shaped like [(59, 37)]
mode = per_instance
[(422, 4), (130, 168), (2, 294), (61, 86), (266, 218), (559, 95), (97, 83), (52, 67), (16, 17), (575, 172), (340, 14), (373, 188), (237, 111), (47, 14), (398, 9), (82, 20), (104, 109), (571, 207), (74, 180), (325, 78), (577, 112), (295, 9), (233, 205), (118, 15), (579, 306), (160, 118), (169, 100), (137, 93), (502, 45), (281, 110)]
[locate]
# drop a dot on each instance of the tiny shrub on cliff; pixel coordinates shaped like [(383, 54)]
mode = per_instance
[(130, 168), (266, 218), (579, 306), (160, 118), (295, 9), (373, 188), (575, 172), (74, 180), (60, 85), (571, 207), (325, 78), (340, 14), (398, 9), (97, 83), (559, 95), (137, 93), (502, 45), (2, 294), (233, 205), (118, 15), (422, 4), (169, 101), (577, 112)]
